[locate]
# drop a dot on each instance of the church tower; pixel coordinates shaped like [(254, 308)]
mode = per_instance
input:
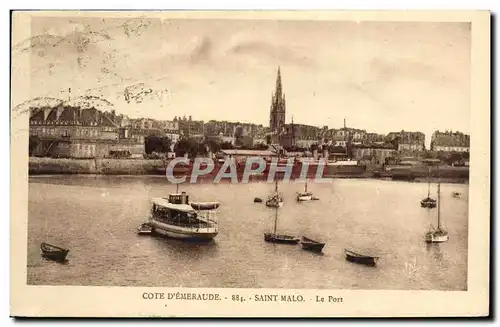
[(278, 107)]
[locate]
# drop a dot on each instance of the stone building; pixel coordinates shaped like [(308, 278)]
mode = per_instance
[(450, 141), (407, 141), (300, 135), (375, 154), (73, 132)]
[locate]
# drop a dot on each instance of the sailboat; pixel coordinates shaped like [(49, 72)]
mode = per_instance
[(305, 196), (279, 238), (275, 200), (428, 202), (439, 234)]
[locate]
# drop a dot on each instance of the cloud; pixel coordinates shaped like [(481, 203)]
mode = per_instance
[(203, 51), (266, 50), (400, 68)]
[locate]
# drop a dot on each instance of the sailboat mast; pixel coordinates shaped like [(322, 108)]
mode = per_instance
[(275, 220), (429, 184), (439, 206), (275, 178), (177, 189), (306, 186)]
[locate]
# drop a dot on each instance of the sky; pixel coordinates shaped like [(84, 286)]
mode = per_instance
[(380, 76)]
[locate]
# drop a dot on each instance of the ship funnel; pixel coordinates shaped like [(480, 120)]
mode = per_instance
[(184, 198)]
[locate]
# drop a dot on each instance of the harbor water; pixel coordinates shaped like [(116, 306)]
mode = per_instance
[(97, 218)]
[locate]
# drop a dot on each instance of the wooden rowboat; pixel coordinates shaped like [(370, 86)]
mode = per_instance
[(53, 252), (364, 259), (311, 245), (205, 205), (145, 229)]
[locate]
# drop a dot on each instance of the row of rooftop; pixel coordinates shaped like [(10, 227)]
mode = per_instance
[(298, 135)]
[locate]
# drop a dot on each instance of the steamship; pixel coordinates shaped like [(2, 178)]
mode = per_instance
[(175, 217)]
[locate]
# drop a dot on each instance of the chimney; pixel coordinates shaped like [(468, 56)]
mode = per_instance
[(325, 153), (315, 154)]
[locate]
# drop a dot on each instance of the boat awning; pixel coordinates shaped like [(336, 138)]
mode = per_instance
[(178, 207)]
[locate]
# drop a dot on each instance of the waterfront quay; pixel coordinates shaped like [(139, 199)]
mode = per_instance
[(94, 141), (417, 172)]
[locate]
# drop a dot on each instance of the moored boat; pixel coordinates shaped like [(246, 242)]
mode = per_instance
[(439, 234), (364, 259), (274, 201), (205, 205), (144, 229), (428, 202), (176, 218), (277, 238), (53, 252), (311, 245), (304, 196)]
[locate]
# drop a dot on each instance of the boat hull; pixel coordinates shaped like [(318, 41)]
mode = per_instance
[(428, 204), (360, 259), (436, 238), (144, 229), (314, 247), (273, 204), (311, 245), (205, 205), (184, 233), (282, 239), (55, 255), (302, 198)]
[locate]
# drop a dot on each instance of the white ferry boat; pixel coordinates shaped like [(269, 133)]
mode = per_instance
[(175, 217)]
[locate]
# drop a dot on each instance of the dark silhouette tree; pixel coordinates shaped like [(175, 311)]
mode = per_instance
[(34, 141), (160, 144), (226, 146)]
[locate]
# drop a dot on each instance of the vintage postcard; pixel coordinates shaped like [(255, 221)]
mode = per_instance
[(250, 163)]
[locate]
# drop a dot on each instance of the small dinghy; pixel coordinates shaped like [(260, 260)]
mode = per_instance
[(457, 194), (145, 229), (205, 205), (53, 252), (364, 259), (315, 198), (257, 200), (311, 245), (428, 203)]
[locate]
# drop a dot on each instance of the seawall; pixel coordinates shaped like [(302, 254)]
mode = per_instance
[(49, 166), (53, 166)]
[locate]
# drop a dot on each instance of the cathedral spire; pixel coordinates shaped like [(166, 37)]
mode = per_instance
[(278, 106), (278, 84)]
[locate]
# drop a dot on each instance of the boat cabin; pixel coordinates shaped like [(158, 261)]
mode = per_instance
[(178, 198), (179, 214)]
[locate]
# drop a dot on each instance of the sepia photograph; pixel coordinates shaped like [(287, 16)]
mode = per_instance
[(250, 159)]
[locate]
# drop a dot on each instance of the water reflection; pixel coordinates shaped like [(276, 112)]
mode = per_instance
[(435, 250)]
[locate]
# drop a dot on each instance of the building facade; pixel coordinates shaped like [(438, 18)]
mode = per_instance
[(450, 141), (374, 154), (407, 141), (72, 132)]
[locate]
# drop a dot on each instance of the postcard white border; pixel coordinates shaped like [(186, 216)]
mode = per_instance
[(80, 301)]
